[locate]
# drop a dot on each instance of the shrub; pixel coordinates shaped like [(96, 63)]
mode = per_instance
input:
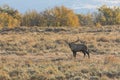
[(9, 18), (8, 21)]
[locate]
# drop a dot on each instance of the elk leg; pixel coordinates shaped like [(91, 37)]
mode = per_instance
[(74, 54), (88, 54), (84, 53)]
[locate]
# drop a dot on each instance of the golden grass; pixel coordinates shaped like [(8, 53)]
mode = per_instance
[(45, 55)]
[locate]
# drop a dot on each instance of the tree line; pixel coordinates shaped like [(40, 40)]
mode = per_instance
[(58, 16)]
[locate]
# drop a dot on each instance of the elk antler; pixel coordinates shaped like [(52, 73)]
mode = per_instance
[(76, 40)]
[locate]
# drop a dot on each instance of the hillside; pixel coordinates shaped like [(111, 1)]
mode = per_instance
[(40, 53)]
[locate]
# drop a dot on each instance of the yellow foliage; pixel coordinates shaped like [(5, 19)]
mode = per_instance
[(98, 24), (110, 16), (7, 21), (65, 16)]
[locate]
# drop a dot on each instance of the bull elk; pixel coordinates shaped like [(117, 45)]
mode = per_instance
[(78, 47)]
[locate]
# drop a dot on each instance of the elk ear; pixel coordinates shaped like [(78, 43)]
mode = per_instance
[(67, 42)]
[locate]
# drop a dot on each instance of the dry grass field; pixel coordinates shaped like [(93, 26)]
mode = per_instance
[(41, 54)]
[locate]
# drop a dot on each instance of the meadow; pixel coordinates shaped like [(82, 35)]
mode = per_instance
[(40, 53)]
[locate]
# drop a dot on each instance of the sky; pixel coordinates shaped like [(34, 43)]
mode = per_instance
[(79, 6)]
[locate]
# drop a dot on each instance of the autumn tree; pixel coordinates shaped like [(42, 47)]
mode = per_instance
[(60, 16), (65, 16), (9, 17), (85, 19), (48, 17), (31, 18), (108, 15)]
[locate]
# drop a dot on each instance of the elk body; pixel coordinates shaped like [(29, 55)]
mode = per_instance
[(78, 47)]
